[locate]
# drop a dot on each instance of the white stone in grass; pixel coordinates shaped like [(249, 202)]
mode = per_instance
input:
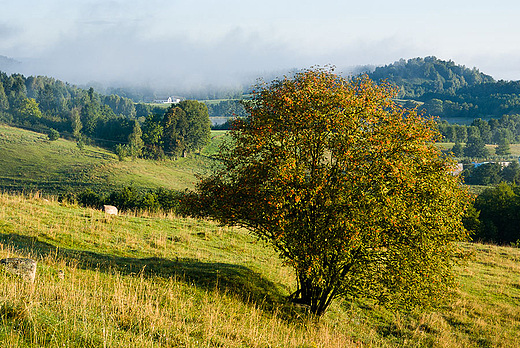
[(110, 209), (25, 268)]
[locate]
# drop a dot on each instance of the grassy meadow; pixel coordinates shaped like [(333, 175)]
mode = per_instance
[(159, 280), (165, 281), (30, 162)]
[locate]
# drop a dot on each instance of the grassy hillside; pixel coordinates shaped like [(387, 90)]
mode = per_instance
[(29, 161), (164, 281)]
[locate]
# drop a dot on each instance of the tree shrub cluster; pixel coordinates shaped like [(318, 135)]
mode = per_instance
[(53, 134), (492, 174), (184, 127), (132, 198), (496, 215)]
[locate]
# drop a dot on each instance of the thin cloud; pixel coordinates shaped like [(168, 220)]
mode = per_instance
[(119, 55), (8, 31), (184, 44)]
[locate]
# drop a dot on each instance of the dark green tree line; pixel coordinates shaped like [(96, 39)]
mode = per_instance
[(496, 217), (495, 131), (226, 108), (492, 173)]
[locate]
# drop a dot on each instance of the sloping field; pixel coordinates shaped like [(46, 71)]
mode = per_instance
[(165, 281), (29, 161)]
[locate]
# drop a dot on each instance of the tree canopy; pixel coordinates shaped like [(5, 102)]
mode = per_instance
[(475, 147), (347, 186), (498, 217)]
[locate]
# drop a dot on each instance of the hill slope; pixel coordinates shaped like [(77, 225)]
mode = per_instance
[(450, 90), (164, 281), (30, 161)]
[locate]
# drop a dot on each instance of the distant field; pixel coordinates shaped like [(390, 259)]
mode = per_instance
[(162, 105), (216, 101), (515, 148), (29, 161)]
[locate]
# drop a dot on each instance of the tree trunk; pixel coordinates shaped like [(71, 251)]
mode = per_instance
[(315, 297)]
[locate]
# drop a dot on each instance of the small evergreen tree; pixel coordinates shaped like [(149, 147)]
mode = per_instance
[(503, 148), (458, 150), (121, 151), (53, 134), (475, 147), (75, 122), (135, 142)]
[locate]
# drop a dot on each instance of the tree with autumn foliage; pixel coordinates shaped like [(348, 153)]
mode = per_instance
[(348, 188)]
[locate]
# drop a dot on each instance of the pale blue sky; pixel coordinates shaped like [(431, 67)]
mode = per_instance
[(218, 42)]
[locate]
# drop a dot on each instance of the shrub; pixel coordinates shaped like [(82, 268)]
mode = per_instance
[(125, 199), (53, 134), (90, 199), (121, 151)]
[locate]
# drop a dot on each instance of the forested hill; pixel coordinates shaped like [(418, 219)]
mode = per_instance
[(41, 103), (451, 90)]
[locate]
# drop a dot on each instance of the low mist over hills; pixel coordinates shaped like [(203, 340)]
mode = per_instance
[(9, 65), (442, 88)]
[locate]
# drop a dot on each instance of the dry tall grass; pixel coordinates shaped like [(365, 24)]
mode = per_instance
[(164, 281)]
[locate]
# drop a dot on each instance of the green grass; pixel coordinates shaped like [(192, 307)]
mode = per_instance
[(29, 161), (165, 281)]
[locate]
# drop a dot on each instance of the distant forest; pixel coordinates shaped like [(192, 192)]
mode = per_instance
[(449, 90), (41, 103), (51, 106), (491, 109), (475, 104)]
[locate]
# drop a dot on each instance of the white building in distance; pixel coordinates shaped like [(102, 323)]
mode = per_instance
[(170, 100)]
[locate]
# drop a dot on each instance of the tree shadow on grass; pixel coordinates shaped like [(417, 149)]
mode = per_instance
[(250, 286)]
